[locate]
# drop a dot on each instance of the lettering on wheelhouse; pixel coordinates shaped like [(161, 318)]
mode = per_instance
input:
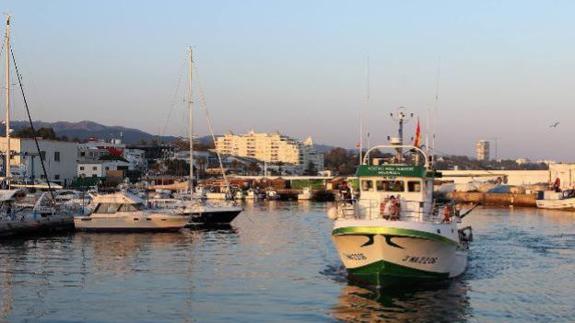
[(391, 171), (419, 260), (355, 256)]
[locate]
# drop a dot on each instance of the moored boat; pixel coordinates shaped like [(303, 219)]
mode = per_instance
[(125, 212)]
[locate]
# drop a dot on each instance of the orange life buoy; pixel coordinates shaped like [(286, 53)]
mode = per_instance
[(382, 208), (446, 214), (394, 209)]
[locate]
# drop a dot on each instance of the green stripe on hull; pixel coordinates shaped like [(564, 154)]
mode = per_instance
[(382, 273), (394, 231)]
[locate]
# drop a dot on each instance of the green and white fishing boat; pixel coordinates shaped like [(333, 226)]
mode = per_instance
[(396, 232)]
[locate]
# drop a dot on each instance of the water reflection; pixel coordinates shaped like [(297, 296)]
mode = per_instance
[(445, 301)]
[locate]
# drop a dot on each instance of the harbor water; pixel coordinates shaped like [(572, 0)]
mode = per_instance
[(277, 263)]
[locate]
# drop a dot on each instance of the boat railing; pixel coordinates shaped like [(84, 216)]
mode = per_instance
[(375, 209)]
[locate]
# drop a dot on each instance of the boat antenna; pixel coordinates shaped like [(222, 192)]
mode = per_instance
[(402, 118), (191, 125), (436, 107), (34, 135), (363, 126)]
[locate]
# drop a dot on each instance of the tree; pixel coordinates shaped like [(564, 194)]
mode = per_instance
[(310, 169), (46, 133), (341, 161)]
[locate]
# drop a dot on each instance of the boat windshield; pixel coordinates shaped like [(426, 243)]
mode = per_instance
[(109, 208)]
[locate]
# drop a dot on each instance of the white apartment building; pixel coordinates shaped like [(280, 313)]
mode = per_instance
[(59, 158), (94, 150), (482, 150), (99, 168), (273, 148)]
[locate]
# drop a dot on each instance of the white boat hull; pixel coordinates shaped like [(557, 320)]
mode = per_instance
[(565, 204)]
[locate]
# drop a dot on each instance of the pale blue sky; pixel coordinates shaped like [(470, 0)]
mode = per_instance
[(507, 67)]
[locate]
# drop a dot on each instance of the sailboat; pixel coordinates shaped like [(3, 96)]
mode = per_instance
[(202, 212), (18, 214), (397, 232)]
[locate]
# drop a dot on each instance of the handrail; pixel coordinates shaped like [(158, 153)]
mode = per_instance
[(366, 156)]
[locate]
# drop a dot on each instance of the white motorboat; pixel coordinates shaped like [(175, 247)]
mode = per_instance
[(127, 212)]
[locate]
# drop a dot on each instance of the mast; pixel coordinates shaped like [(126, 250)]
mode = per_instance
[(7, 155), (191, 126)]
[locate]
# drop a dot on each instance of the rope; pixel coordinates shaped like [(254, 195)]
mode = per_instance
[(31, 124), (203, 106), (174, 98)]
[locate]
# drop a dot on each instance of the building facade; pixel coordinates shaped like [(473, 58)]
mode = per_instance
[(482, 150), (100, 168), (273, 148), (60, 159)]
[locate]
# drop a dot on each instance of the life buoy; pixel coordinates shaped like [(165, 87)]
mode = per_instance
[(394, 209), (382, 207), (446, 214)]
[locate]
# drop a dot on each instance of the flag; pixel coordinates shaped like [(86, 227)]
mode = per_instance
[(417, 140)]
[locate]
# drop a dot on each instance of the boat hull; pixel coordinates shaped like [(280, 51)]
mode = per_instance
[(566, 204), (130, 223), (38, 225), (381, 256), (213, 217)]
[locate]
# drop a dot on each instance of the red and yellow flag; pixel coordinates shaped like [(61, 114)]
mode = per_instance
[(417, 139)]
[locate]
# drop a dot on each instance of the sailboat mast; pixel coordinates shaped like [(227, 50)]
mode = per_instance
[(7, 101), (190, 127)]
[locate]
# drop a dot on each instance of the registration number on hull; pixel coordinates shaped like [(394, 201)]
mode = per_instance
[(355, 256), (424, 260)]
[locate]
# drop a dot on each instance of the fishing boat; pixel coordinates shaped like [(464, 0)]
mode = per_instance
[(562, 200), (125, 212), (396, 232)]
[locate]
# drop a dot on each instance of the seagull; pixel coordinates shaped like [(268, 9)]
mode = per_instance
[(554, 125)]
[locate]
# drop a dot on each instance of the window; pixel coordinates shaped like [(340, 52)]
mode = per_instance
[(81, 167), (56, 176), (94, 168), (130, 207), (382, 186), (43, 155), (107, 208), (389, 186), (82, 154), (414, 186), (107, 168), (57, 156), (367, 185), (396, 186)]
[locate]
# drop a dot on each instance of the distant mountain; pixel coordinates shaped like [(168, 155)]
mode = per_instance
[(88, 129)]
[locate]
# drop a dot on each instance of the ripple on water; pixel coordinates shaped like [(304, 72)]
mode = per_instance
[(277, 263)]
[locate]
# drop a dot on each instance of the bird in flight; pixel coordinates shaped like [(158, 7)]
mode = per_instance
[(554, 125)]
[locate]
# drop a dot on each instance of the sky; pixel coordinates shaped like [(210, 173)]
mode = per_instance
[(501, 69)]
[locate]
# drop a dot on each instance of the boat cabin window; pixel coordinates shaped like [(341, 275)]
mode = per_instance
[(131, 207), (107, 208), (414, 186), (367, 185), (389, 186)]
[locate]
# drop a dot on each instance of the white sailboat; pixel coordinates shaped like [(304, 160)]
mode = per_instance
[(397, 232), (202, 212), (19, 216)]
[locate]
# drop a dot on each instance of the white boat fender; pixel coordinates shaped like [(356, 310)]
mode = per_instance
[(332, 213)]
